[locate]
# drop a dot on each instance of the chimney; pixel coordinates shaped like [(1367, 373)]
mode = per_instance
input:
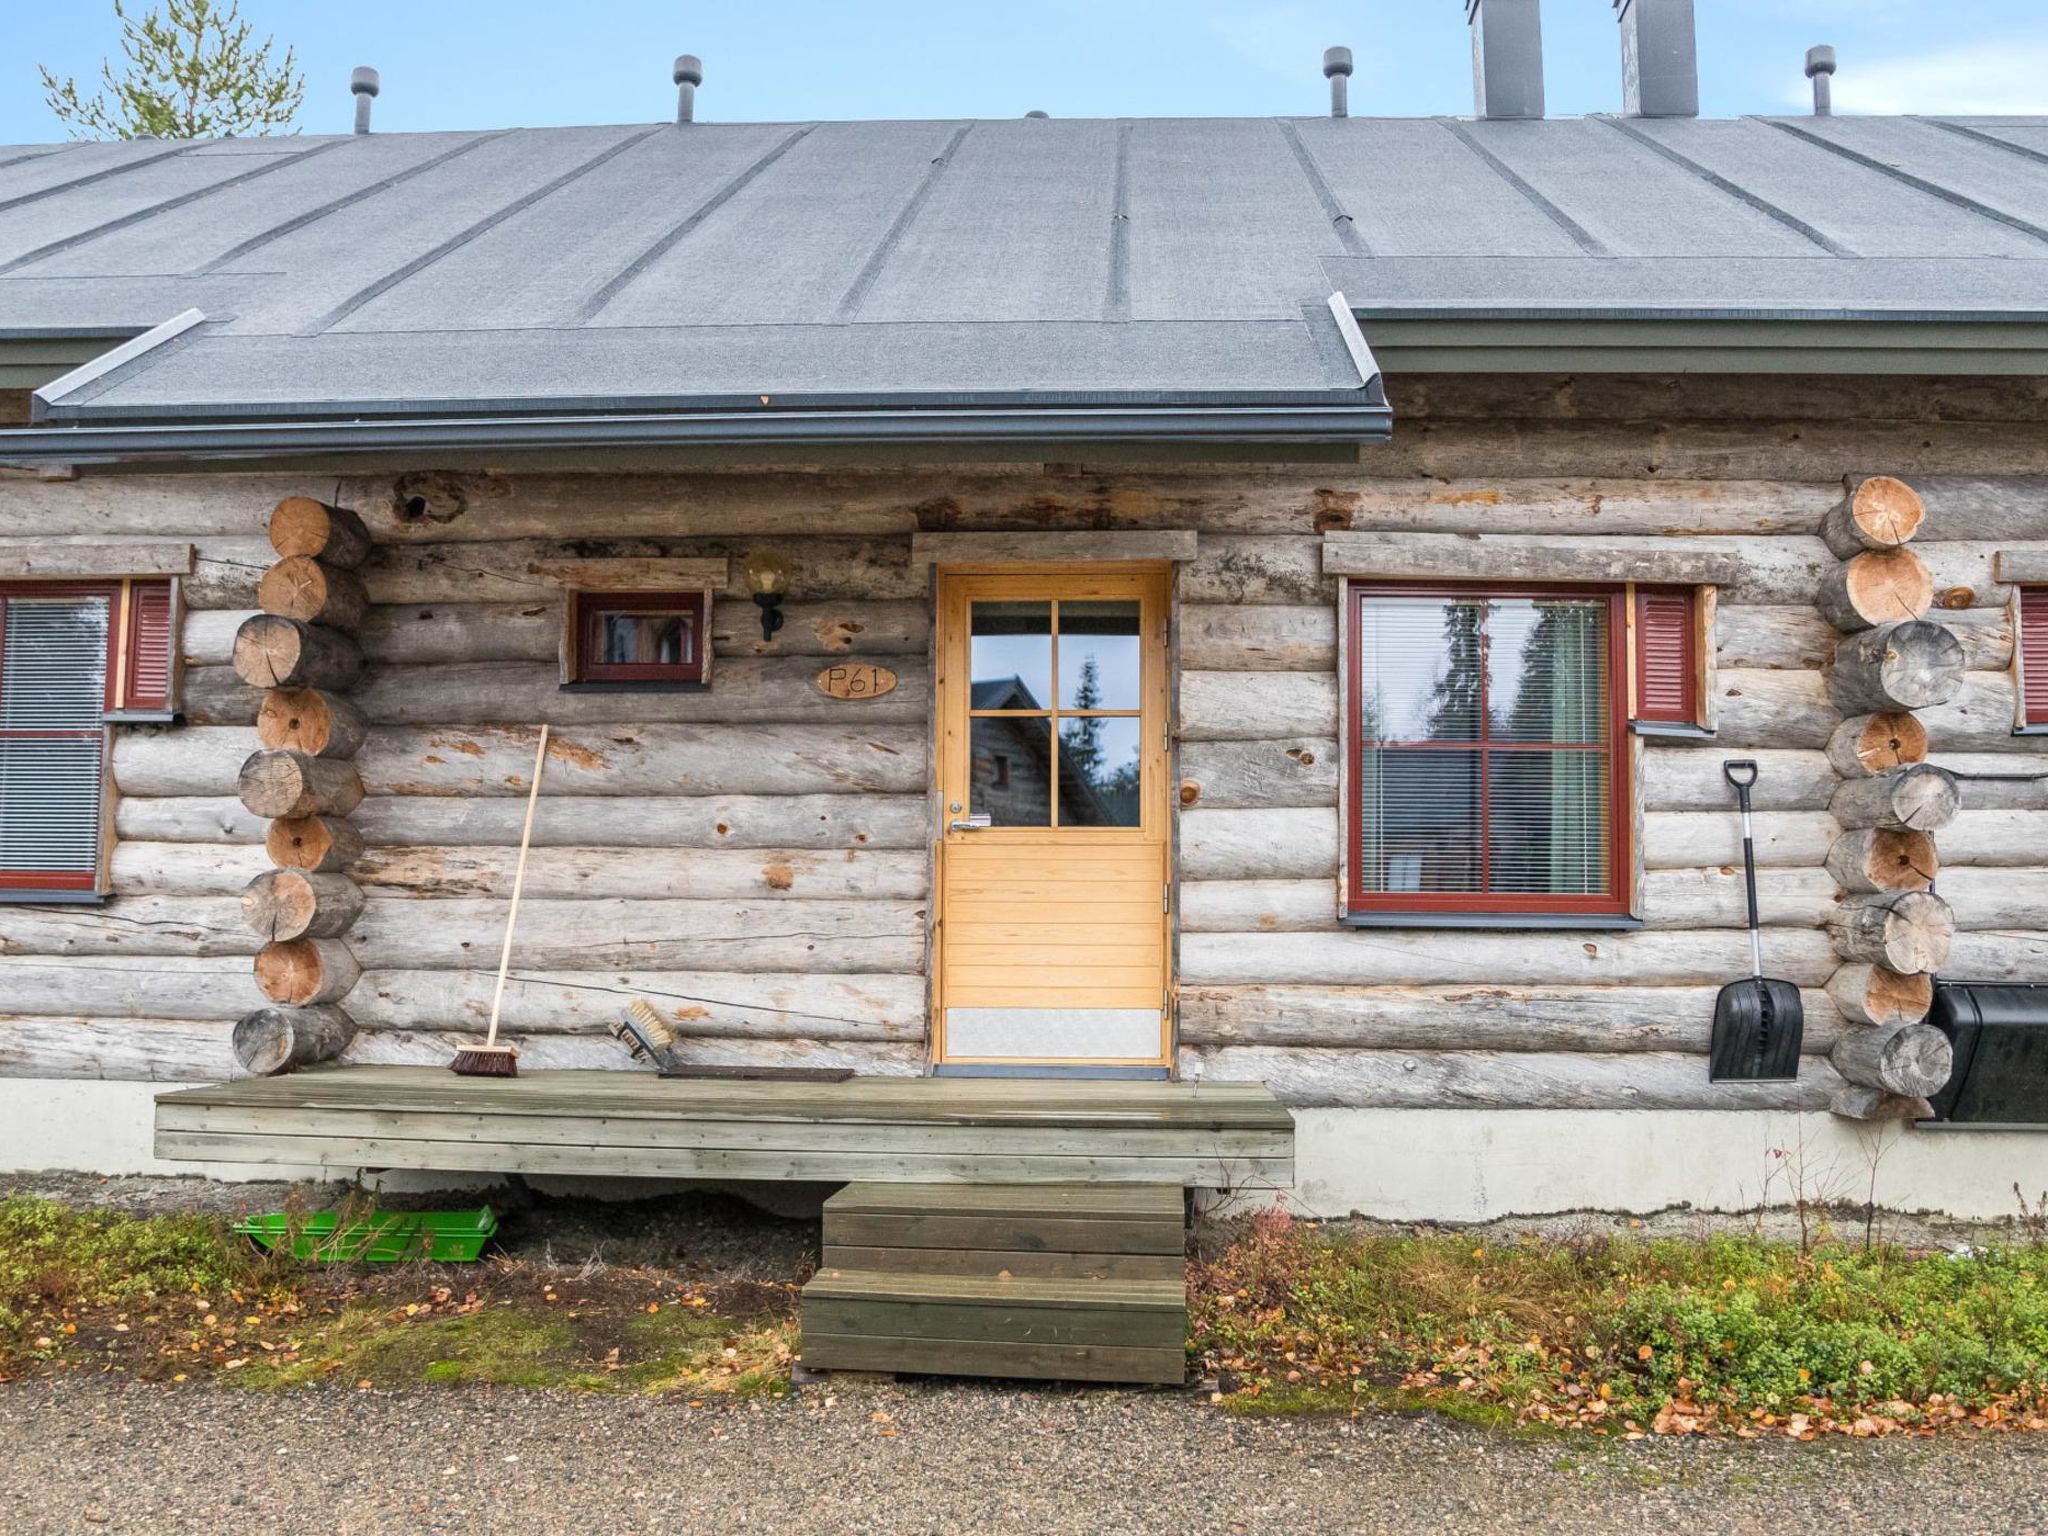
[(1337, 67), (1507, 57), (1660, 67), (362, 81), (1820, 69), (689, 74)]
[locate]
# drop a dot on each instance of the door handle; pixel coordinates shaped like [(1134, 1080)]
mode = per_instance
[(969, 823)]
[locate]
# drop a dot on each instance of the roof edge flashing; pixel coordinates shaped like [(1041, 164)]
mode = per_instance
[(51, 394)]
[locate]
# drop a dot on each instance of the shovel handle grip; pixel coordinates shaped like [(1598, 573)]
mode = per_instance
[(1740, 771)]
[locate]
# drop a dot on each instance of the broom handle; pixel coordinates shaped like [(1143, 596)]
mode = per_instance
[(540, 757)]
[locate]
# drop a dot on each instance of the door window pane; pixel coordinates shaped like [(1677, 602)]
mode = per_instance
[(1100, 662), (1420, 669), (1010, 655), (1420, 821), (1100, 772), (1010, 770)]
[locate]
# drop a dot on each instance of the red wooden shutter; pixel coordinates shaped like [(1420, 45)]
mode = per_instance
[(149, 646), (1667, 660), (2034, 653)]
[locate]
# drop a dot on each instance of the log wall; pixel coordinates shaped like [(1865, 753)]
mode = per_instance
[(754, 859)]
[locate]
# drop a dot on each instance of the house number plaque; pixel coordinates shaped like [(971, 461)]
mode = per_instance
[(856, 680)]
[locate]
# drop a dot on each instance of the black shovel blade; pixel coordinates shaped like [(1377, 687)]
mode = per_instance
[(1758, 1023)]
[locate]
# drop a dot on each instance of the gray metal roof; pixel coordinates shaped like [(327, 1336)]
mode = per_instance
[(1079, 270)]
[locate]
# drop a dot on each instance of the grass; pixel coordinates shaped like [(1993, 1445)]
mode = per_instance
[(1728, 1334)]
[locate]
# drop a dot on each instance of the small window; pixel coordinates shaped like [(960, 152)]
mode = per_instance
[(2033, 658), (642, 638), (1488, 758), (1667, 661)]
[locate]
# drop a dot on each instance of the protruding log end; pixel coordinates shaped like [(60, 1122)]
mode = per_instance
[(1878, 512), (1896, 667), (1917, 798), (1871, 994), (1876, 586), (274, 1040), (1854, 1102), (1912, 1061), (290, 785), (318, 844), (1908, 933), (303, 972), (297, 904), (309, 721), (1866, 744), (313, 591), (272, 651), (299, 525), (1880, 859)]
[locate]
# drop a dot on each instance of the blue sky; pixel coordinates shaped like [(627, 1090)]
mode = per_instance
[(493, 63)]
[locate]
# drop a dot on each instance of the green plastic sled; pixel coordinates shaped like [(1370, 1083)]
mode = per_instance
[(448, 1237)]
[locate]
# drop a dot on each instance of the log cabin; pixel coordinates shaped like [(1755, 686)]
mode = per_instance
[(1151, 653)]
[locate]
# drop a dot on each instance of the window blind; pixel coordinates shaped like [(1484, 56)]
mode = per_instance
[(53, 684)]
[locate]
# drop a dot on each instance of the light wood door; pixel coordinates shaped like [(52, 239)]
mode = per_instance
[(1052, 936)]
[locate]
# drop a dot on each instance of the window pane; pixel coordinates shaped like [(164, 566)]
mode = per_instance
[(49, 804), (1010, 778), (1099, 665), (1419, 821), (1010, 660), (1547, 822), (1099, 773), (53, 669), (647, 639), (1546, 666), (1419, 669)]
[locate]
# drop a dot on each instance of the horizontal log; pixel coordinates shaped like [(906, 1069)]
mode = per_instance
[(1872, 994), (1913, 1060), (2021, 565), (1877, 512), (290, 784), (1763, 708), (1083, 545), (92, 559), (1695, 839), (1875, 587), (1217, 637), (522, 570), (633, 759), (1995, 507), (185, 869), (302, 973), (314, 592), (1880, 859), (1244, 568), (1919, 797), (1689, 778), (1908, 932), (1258, 844), (570, 1053), (1515, 557), (1856, 1103), (1978, 718), (1432, 957), (1492, 1017), (1309, 1079), (293, 719), (319, 844), (133, 925), (1256, 706), (1912, 665), (1246, 775), (2011, 837), (142, 505), (695, 1004), (1799, 638), (303, 528), (2004, 954), (295, 904), (131, 987), (1984, 897), (274, 1040), (145, 1050), (275, 652), (1868, 744)]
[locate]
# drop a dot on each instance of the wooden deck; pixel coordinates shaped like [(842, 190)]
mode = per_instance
[(1203, 1135)]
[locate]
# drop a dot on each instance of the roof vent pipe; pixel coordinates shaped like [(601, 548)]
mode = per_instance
[(1660, 67), (1337, 66), (689, 74), (1820, 69), (362, 80), (1507, 57), (1038, 112)]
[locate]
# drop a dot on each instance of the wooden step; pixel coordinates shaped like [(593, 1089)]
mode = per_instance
[(1044, 1327), (1083, 1231)]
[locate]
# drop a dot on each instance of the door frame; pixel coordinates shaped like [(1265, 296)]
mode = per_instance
[(954, 588)]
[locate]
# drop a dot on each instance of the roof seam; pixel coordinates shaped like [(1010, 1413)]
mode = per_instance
[(1917, 183), (1982, 137), (1585, 239), (88, 179), (1116, 301), (348, 200), (240, 178), (1722, 184), (38, 154), (871, 269), (1346, 227), (663, 244)]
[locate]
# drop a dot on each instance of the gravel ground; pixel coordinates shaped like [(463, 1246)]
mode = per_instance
[(865, 1455)]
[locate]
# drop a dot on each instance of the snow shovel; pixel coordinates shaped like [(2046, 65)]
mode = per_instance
[(1758, 1022)]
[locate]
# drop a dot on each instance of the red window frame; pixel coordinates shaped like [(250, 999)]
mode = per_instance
[(591, 607), (1613, 902), (69, 879), (2033, 657)]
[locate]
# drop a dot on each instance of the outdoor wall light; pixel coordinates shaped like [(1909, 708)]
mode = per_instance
[(767, 576)]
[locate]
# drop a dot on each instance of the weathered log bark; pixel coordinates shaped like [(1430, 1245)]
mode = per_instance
[(1913, 665), (1876, 587), (316, 844), (124, 987), (1912, 1061), (1697, 839), (1868, 744), (1979, 718), (1516, 557), (1877, 513), (141, 1049), (185, 869), (1310, 1079), (2011, 897), (822, 568), (187, 819), (575, 1053), (1909, 932), (303, 972), (1870, 994), (314, 592), (309, 721), (1486, 1017), (1256, 706), (141, 925), (1258, 844), (1778, 637), (274, 1040), (2018, 954), (1917, 798), (1681, 777), (288, 785), (1257, 638), (1879, 859), (1250, 775), (699, 821), (1766, 709), (1852, 1102), (2002, 507), (294, 904), (275, 652), (301, 526)]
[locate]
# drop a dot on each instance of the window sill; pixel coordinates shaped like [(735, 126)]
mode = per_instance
[(140, 717), (643, 686), (14, 897), (1601, 922), (1669, 728), (2031, 730)]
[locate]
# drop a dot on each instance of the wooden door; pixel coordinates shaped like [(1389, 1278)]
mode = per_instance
[(1052, 934)]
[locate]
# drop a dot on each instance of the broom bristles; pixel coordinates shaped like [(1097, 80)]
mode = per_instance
[(644, 1015), (486, 1061)]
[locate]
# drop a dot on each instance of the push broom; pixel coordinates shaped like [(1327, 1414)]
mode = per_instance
[(492, 1059)]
